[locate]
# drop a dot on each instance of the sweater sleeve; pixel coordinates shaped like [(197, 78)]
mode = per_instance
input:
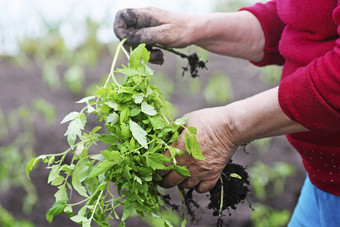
[(311, 95), (272, 27)]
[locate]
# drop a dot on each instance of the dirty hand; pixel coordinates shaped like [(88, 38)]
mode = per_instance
[(153, 26), (217, 144)]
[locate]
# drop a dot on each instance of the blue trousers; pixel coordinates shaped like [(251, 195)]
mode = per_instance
[(316, 208)]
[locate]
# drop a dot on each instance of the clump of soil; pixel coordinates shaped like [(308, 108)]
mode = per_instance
[(194, 65), (235, 181), (232, 186)]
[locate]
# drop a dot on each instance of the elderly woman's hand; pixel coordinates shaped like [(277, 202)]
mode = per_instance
[(216, 138)]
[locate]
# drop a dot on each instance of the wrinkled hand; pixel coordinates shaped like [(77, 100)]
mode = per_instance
[(153, 26), (216, 140)]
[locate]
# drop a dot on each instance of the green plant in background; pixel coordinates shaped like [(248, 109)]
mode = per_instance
[(19, 150), (263, 175), (139, 130), (51, 54), (231, 5), (271, 74), (268, 182), (219, 89), (264, 216), (262, 145), (7, 220)]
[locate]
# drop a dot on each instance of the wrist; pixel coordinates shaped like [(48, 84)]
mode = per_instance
[(260, 116)]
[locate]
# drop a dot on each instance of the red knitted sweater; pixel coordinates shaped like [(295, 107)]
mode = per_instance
[(305, 36)]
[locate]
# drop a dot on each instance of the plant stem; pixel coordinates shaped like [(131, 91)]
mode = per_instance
[(222, 196), (111, 75), (172, 51)]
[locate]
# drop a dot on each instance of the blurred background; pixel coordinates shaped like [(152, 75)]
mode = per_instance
[(53, 53)]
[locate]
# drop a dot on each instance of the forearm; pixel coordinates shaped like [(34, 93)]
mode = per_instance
[(260, 116), (236, 34)]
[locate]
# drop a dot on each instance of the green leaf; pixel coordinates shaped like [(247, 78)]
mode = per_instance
[(74, 130), (138, 133), (175, 151), (53, 174), (157, 122), (58, 181), (123, 114), (157, 161), (57, 208), (112, 118), (108, 139), (137, 54), (79, 219), (138, 97), (86, 99), (111, 155), (182, 171), (112, 105), (80, 173), (61, 194), (127, 212), (181, 121), (69, 117), (148, 109), (192, 130), (101, 168), (193, 147)]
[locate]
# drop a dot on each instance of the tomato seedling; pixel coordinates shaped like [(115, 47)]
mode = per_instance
[(138, 130)]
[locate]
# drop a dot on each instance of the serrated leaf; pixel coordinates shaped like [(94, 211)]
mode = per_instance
[(74, 130), (30, 165), (80, 173), (112, 105), (138, 97), (112, 118), (54, 173), (157, 161), (181, 121), (57, 208), (127, 212), (86, 99), (193, 147), (79, 219), (61, 194), (137, 54), (192, 130), (101, 168), (138, 133), (157, 122), (69, 117), (58, 181), (111, 155), (148, 109), (108, 139), (182, 171)]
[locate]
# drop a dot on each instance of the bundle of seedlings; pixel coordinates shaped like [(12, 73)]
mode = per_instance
[(138, 129)]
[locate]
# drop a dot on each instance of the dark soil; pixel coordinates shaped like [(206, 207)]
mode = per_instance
[(233, 189)]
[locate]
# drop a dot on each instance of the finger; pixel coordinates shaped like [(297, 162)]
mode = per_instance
[(156, 57), (189, 183), (205, 186), (124, 19), (171, 179)]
